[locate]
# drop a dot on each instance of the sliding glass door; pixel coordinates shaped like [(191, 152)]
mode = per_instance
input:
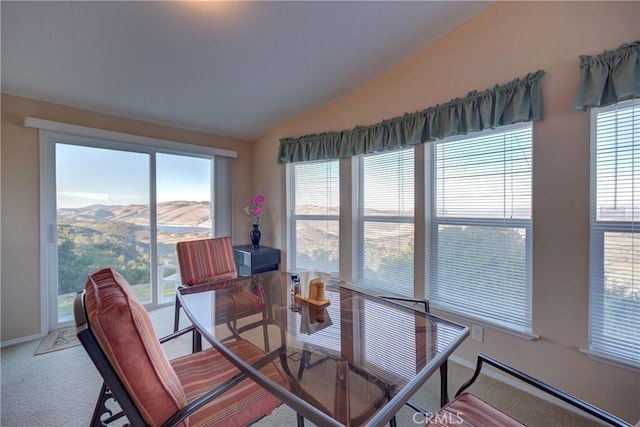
[(183, 194), (123, 206), (103, 219)]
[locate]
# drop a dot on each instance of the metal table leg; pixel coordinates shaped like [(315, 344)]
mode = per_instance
[(444, 394)]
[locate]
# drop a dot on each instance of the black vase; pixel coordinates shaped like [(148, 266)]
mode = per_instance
[(255, 236)]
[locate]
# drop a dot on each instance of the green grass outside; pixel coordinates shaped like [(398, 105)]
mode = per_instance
[(143, 292)]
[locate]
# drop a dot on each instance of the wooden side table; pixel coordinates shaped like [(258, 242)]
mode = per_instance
[(251, 261)]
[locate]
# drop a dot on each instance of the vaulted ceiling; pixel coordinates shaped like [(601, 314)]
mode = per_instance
[(229, 68)]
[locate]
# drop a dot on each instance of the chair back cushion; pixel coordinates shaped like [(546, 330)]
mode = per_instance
[(206, 260), (125, 333)]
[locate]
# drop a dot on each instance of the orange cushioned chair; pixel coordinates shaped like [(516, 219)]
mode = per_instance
[(199, 389), (204, 261), (470, 411)]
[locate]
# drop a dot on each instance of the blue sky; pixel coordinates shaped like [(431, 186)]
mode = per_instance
[(88, 175)]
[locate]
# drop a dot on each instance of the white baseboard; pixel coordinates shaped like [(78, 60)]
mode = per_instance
[(21, 340), (517, 384)]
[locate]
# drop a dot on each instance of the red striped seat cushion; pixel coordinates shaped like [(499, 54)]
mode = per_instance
[(467, 410), (244, 403), (125, 333), (206, 260)]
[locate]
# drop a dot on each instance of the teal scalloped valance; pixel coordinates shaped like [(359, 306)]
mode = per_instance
[(610, 77), (514, 102)]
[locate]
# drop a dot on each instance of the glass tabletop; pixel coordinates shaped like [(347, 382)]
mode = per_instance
[(352, 360)]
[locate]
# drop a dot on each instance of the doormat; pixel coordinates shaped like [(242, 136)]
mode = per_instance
[(58, 340)]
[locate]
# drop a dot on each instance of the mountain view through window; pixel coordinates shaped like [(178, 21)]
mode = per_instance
[(106, 217)]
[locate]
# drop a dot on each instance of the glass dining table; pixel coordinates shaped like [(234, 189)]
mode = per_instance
[(354, 359)]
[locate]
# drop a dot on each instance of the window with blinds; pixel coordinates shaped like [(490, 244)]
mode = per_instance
[(314, 233), (384, 360), (327, 339), (479, 226), (416, 341), (384, 234), (615, 232)]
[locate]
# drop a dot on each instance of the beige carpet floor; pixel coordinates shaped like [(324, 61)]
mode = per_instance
[(60, 388)]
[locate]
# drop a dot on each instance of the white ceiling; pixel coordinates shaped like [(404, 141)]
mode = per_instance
[(228, 68)]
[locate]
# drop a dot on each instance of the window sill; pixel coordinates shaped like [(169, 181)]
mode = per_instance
[(610, 360), (507, 329)]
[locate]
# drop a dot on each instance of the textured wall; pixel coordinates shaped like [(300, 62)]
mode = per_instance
[(507, 41)]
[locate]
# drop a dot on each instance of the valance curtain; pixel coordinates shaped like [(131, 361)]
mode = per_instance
[(610, 77), (514, 102)]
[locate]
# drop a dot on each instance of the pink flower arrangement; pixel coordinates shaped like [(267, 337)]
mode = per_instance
[(255, 210)]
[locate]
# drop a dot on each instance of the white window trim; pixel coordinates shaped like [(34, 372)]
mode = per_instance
[(610, 360), (51, 132), (527, 224), (480, 321), (360, 219), (595, 354), (292, 218), (169, 146)]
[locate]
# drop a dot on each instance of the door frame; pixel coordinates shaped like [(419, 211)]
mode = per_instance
[(49, 133)]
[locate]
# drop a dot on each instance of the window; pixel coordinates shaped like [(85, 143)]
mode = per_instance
[(416, 340), (478, 244), (385, 227), (381, 358), (615, 232), (325, 335), (315, 206), (108, 203)]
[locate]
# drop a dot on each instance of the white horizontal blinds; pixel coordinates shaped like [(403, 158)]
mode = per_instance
[(478, 251), (316, 215), (615, 232), (389, 359), (387, 222), (327, 336)]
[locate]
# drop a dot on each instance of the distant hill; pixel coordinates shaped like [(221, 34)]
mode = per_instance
[(174, 213)]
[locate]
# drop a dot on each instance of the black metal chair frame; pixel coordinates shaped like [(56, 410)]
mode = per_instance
[(565, 397), (483, 358), (112, 387)]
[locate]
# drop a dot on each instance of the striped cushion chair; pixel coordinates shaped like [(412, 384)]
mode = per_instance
[(468, 410), (204, 261), (199, 389)]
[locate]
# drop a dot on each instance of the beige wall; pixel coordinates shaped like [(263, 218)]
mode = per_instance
[(20, 206), (507, 41)]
